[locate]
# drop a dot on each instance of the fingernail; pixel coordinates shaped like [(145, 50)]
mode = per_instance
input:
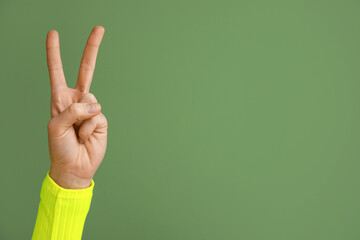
[(94, 107)]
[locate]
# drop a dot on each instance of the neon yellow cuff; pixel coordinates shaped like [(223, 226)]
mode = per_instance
[(52, 187), (62, 212)]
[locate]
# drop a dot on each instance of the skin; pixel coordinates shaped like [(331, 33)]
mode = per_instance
[(77, 130)]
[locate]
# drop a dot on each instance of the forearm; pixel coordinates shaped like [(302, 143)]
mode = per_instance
[(62, 212)]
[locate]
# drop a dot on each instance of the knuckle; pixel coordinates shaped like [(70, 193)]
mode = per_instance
[(89, 98), (55, 66), (92, 97), (74, 110), (83, 134), (85, 65), (82, 88), (51, 125), (92, 44), (104, 121)]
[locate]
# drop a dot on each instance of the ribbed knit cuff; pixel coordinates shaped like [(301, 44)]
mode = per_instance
[(62, 212), (50, 186)]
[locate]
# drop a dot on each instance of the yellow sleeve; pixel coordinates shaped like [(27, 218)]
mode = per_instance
[(62, 212)]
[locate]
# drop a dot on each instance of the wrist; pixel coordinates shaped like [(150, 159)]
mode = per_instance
[(69, 181)]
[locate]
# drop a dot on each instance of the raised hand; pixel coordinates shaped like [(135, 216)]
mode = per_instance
[(77, 131)]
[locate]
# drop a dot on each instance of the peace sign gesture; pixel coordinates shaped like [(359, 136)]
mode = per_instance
[(77, 131)]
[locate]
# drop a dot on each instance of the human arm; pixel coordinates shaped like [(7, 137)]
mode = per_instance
[(77, 137)]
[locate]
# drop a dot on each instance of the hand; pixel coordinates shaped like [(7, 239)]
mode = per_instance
[(77, 131)]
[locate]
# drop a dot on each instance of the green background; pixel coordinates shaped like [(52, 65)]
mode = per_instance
[(227, 119)]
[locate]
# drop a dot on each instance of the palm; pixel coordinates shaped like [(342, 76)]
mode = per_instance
[(66, 151)]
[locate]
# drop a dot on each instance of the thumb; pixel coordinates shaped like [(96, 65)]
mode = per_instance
[(75, 112)]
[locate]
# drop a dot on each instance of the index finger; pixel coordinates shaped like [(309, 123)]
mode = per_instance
[(87, 65), (56, 73)]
